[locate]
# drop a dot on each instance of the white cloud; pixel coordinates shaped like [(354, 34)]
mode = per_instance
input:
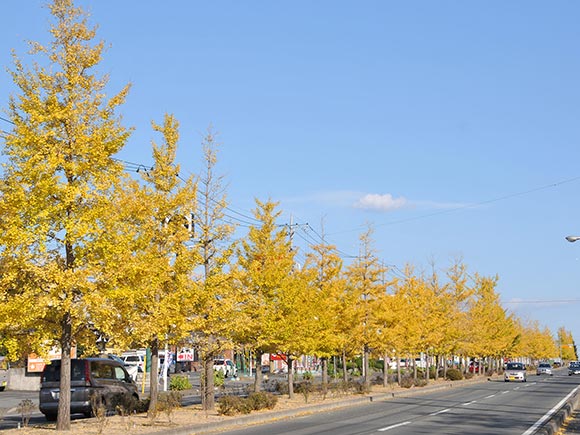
[(386, 202)]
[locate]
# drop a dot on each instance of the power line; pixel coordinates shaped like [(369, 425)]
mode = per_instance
[(7, 120), (467, 206), (542, 301), (137, 167)]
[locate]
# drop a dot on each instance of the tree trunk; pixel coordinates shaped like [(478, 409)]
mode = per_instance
[(258, 375), (344, 368), (437, 362), (414, 369), (207, 396), (290, 377), (63, 419), (324, 367), (386, 370), (427, 367), (153, 381), (366, 366), (398, 369)]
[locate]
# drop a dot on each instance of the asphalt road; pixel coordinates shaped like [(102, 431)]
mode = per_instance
[(493, 408)]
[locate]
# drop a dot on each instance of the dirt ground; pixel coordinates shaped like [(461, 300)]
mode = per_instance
[(141, 424)]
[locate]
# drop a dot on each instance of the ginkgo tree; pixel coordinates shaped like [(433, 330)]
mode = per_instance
[(58, 186), (323, 269), (154, 293), (264, 272), (216, 308), (365, 281)]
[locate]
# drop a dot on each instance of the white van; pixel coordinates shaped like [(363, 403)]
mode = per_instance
[(134, 358)]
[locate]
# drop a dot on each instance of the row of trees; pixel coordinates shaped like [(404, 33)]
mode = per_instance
[(87, 251)]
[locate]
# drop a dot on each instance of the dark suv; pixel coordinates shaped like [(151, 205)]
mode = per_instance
[(104, 379)]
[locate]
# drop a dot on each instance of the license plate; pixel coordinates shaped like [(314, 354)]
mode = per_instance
[(512, 377)]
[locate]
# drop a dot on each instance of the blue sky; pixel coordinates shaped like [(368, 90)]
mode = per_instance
[(451, 126)]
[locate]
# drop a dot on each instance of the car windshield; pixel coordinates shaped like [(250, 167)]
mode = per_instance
[(515, 366), (575, 364), (545, 365)]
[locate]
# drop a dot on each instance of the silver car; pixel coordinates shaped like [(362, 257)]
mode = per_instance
[(574, 368), (544, 369), (515, 371)]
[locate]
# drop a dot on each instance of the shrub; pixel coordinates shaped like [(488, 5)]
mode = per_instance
[(420, 382), (99, 411), (282, 388), (307, 376), (468, 375), (376, 364), (25, 408), (169, 402), (179, 383), (360, 387), (125, 405), (407, 382), (454, 375), (262, 400), (231, 405), (219, 378), (304, 388)]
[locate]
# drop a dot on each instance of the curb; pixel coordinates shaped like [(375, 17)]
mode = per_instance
[(555, 421)]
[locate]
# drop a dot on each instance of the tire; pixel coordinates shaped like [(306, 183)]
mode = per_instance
[(50, 417)]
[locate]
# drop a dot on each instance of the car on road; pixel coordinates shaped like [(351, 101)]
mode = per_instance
[(93, 380), (544, 369), (515, 371), (574, 368), (226, 366)]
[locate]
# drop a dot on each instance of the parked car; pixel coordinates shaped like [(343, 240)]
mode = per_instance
[(101, 378), (544, 369), (574, 368), (226, 366), (474, 367), (515, 371), (134, 358)]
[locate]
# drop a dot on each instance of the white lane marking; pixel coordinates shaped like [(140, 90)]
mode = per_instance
[(517, 388), (548, 414), (505, 392), (384, 429), (441, 412), (489, 397), (469, 403)]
